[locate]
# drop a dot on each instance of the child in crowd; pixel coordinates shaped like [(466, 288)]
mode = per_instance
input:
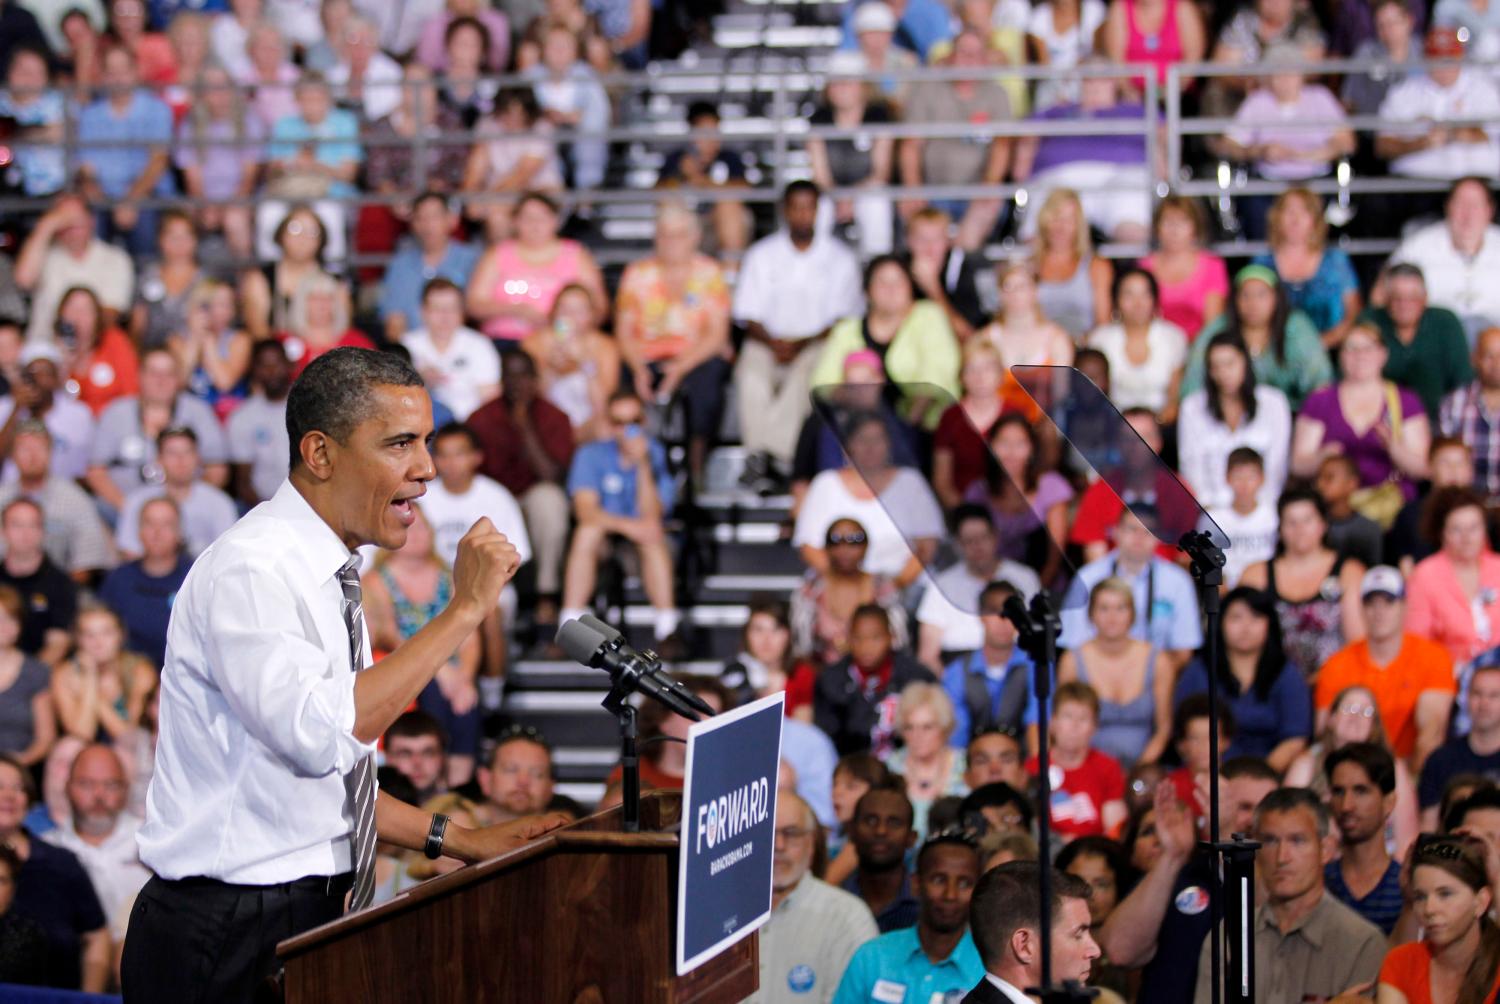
[(1088, 787), (1349, 533), (1190, 738), (1249, 523)]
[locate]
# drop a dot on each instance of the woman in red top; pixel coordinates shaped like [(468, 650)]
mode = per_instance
[(1457, 958), (102, 363), (959, 446), (319, 322), (765, 664)]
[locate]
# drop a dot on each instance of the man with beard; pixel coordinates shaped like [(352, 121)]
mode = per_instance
[(1007, 916), (936, 958), (1312, 947), (882, 831), (416, 745), (101, 834), (518, 781), (1362, 796), (814, 928)]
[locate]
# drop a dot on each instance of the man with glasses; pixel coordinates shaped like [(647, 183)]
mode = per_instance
[(1428, 352), (947, 623), (101, 834), (814, 928), (991, 686), (416, 745), (622, 491)]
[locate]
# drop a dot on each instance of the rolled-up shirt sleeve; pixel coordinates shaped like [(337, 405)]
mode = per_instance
[(277, 681)]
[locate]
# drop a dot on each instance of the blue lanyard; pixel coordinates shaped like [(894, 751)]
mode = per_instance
[(1114, 571)]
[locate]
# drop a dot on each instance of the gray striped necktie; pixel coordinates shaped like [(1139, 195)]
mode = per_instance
[(361, 781)]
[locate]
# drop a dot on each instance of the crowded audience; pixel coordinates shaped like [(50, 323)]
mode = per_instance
[(840, 377)]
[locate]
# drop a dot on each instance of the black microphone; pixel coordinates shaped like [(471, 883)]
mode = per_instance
[(607, 650), (1015, 611), (653, 661)]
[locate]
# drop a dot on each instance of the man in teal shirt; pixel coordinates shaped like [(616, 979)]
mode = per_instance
[(1428, 351), (936, 960)]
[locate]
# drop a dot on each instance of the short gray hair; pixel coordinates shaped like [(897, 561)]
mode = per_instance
[(1290, 800), (333, 396)]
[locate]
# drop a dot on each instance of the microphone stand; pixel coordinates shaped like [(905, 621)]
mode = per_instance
[(617, 703), (1234, 859), (1038, 629)]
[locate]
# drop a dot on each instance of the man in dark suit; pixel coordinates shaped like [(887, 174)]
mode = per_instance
[(1005, 918)]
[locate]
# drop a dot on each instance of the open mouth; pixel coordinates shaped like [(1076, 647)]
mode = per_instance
[(406, 514)]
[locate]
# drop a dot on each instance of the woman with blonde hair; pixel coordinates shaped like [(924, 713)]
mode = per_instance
[(101, 693), (211, 349), (1319, 280), (1073, 285), (932, 767), (318, 321), (1133, 684), (578, 365)]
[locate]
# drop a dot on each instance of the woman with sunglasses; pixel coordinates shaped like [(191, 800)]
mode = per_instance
[(1354, 717), (825, 602), (1458, 958)]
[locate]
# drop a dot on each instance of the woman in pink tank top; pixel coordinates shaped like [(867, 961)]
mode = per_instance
[(516, 282), (1159, 32)]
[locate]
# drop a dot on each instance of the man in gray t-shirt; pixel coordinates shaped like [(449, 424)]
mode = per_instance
[(258, 444), (124, 454), (959, 159)]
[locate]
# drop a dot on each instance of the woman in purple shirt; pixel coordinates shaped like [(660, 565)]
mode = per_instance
[(1357, 417)]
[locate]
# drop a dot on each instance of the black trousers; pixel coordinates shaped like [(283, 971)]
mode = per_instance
[(202, 940)]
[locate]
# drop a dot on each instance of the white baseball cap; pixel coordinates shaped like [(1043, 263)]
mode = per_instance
[(874, 16), (1382, 579)]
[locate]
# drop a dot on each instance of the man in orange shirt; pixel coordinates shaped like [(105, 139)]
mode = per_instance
[(1410, 676)]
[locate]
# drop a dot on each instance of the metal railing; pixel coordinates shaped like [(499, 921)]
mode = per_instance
[(778, 136)]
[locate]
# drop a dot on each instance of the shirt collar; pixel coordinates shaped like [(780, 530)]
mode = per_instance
[(1010, 990), (1313, 926), (320, 547)]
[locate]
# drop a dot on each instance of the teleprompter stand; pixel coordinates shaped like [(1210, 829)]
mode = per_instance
[(1233, 900), (1038, 629)]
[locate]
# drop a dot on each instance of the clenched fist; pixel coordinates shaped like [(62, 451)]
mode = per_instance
[(486, 562)]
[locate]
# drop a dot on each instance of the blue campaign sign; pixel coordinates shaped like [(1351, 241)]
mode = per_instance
[(728, 829)]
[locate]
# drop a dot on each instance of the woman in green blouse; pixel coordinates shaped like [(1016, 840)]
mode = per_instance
[(1285, 347)]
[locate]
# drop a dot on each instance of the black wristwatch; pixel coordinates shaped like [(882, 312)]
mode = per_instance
[(434, 846)]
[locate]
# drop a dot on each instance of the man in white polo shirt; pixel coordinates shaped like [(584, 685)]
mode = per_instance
[(1434, 132), (793, 285), (814, 927), (1460, 256)]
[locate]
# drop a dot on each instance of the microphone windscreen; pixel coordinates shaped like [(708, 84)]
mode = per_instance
[(1015, 607), (609, 633), (581, 641)]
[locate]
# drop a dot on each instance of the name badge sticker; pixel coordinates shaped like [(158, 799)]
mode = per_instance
[(888, 992)]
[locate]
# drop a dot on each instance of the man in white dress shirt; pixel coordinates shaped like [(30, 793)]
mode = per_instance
[(1005, 916), (262, 812)]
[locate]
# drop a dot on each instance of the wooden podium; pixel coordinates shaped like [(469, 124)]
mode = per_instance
[(585, 915)]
